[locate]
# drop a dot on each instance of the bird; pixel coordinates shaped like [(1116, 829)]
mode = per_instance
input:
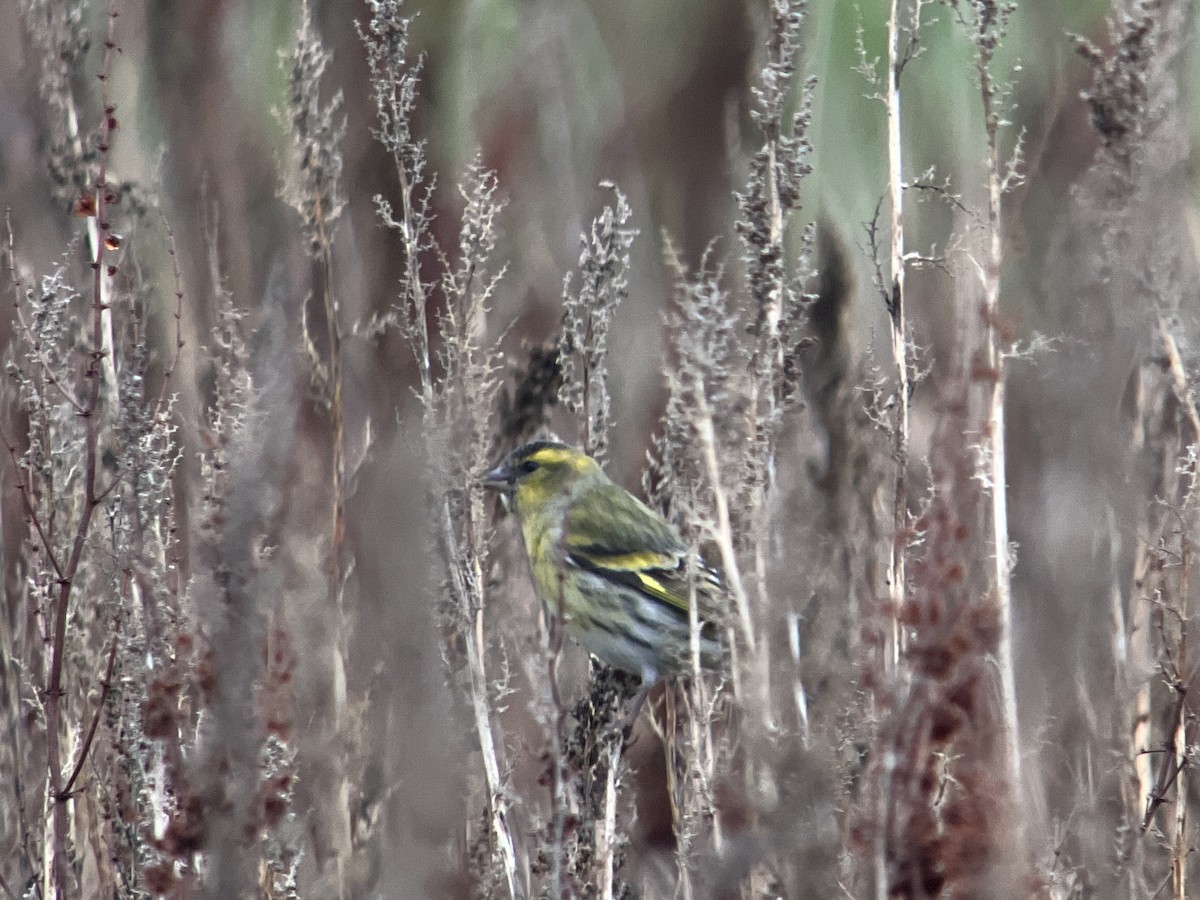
[(613, 571)]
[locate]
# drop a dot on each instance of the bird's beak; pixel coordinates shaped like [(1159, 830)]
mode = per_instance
[(499, 478)]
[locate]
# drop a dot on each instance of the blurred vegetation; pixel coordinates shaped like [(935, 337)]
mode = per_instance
[(371, 781)]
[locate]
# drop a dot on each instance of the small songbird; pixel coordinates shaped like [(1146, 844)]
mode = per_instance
[(615, 569)]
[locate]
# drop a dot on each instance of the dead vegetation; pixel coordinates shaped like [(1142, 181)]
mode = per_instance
[(265, 635)]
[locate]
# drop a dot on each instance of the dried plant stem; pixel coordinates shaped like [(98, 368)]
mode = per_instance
[(606, 839), (1186, 398), (97, 228), (1182, 762), (1179, 840), (337, 442), (1141, 735), (336, 412), (1131, 652), (410, 233), (700, 716), (481, 707), (692, 794), (324, 213), (766, 367), (1181, 848), (1178, 746), (164, 397), (99, 362), (1183, 392), (394, 82), (90, 734), (996, 437), (558, 796), (896, 570), (466, 595), (772, 311), (724, 529)]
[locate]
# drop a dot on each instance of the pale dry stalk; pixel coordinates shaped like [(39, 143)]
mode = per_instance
[(1182, 388), (723, 532), (1180, 849), (607, 837), (896, 300), (896, 570), (995, 432)]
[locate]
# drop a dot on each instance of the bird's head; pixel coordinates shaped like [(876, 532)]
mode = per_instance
[(540, 473)]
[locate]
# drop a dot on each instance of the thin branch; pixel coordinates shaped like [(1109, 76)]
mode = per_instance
[(105, 687), (97, 356), (23, 490), (177, 280)]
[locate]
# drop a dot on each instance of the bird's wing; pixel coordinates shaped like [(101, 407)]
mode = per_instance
[(611, 533)]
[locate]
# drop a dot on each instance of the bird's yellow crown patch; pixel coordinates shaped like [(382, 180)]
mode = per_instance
[(555, 456)]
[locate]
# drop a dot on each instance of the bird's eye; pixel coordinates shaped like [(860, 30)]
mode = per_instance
[(527, 466)]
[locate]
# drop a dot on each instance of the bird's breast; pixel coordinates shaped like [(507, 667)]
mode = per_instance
[(542, 545)]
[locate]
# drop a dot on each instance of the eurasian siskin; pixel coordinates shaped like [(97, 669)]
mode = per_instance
[(617, 571)]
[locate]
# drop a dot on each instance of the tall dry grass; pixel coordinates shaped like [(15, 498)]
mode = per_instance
[(891, 313)]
